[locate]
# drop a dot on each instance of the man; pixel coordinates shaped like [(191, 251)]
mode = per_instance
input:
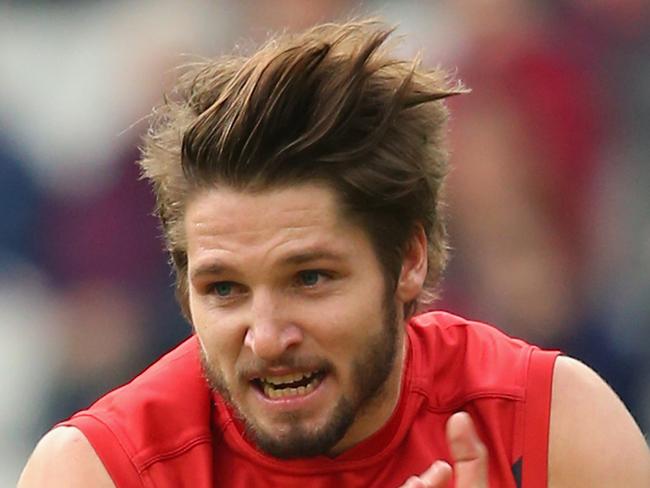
[(299, 194)]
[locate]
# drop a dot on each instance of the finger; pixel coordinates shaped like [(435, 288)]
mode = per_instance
[(468, 452), (436, 476), (414, 482)]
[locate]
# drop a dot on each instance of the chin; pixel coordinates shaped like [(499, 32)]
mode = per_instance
[(295, 439)]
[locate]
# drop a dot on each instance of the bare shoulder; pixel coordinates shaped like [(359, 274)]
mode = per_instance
[(64, 457), (594, 441)]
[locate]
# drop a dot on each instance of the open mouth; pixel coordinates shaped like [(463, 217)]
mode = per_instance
[(289, 385)]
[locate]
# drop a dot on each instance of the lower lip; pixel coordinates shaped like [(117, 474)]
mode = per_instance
[(294, 402)]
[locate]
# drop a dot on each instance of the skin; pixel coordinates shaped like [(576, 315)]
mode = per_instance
[(593, 440)]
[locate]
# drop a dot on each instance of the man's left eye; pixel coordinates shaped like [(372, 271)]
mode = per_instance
[(223, 288), (309, 277)]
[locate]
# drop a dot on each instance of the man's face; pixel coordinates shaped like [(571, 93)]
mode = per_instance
[(288, 300)]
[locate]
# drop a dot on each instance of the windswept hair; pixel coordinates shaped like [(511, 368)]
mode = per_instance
[(331, 106)]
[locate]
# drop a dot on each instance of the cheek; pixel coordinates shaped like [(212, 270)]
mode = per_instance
[(347, 323), (220, 338)]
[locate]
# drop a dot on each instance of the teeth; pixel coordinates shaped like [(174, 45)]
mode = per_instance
[(287, 378), (272, 393)]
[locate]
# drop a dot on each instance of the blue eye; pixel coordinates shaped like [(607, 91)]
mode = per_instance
[(223, 288), (309, 278)]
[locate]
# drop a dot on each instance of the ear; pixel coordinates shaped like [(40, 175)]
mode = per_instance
[(414, 267)]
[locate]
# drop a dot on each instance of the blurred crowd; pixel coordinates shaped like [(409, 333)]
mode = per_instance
[(549, 197)]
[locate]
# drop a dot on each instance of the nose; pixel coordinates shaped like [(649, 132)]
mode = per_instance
[(270, 333)]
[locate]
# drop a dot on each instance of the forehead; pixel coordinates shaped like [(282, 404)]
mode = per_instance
[(306, 203), (224, 217)]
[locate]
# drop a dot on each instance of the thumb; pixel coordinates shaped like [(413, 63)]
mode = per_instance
[(468, 452)]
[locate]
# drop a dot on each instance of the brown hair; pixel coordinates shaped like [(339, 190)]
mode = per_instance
[(330, 105)]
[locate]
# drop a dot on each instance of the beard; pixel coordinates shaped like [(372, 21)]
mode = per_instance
[(370, 371)]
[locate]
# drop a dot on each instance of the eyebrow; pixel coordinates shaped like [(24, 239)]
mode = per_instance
[(309, 256), (216, 268), (208, 269)]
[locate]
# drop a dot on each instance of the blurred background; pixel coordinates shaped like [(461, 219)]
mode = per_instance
[(549, 195)]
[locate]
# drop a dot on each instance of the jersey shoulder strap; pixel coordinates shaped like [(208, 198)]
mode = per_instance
[(156, 429)]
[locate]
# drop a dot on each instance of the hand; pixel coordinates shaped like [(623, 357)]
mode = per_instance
[(470, 459)]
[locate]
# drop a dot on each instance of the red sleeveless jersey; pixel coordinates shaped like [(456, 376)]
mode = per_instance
[(166, 429)]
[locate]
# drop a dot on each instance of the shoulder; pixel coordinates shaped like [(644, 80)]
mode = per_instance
[(64, 458), (462, 346), (457, 332), (155, 416), (593, 440), (162, 404), (461, 359)]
